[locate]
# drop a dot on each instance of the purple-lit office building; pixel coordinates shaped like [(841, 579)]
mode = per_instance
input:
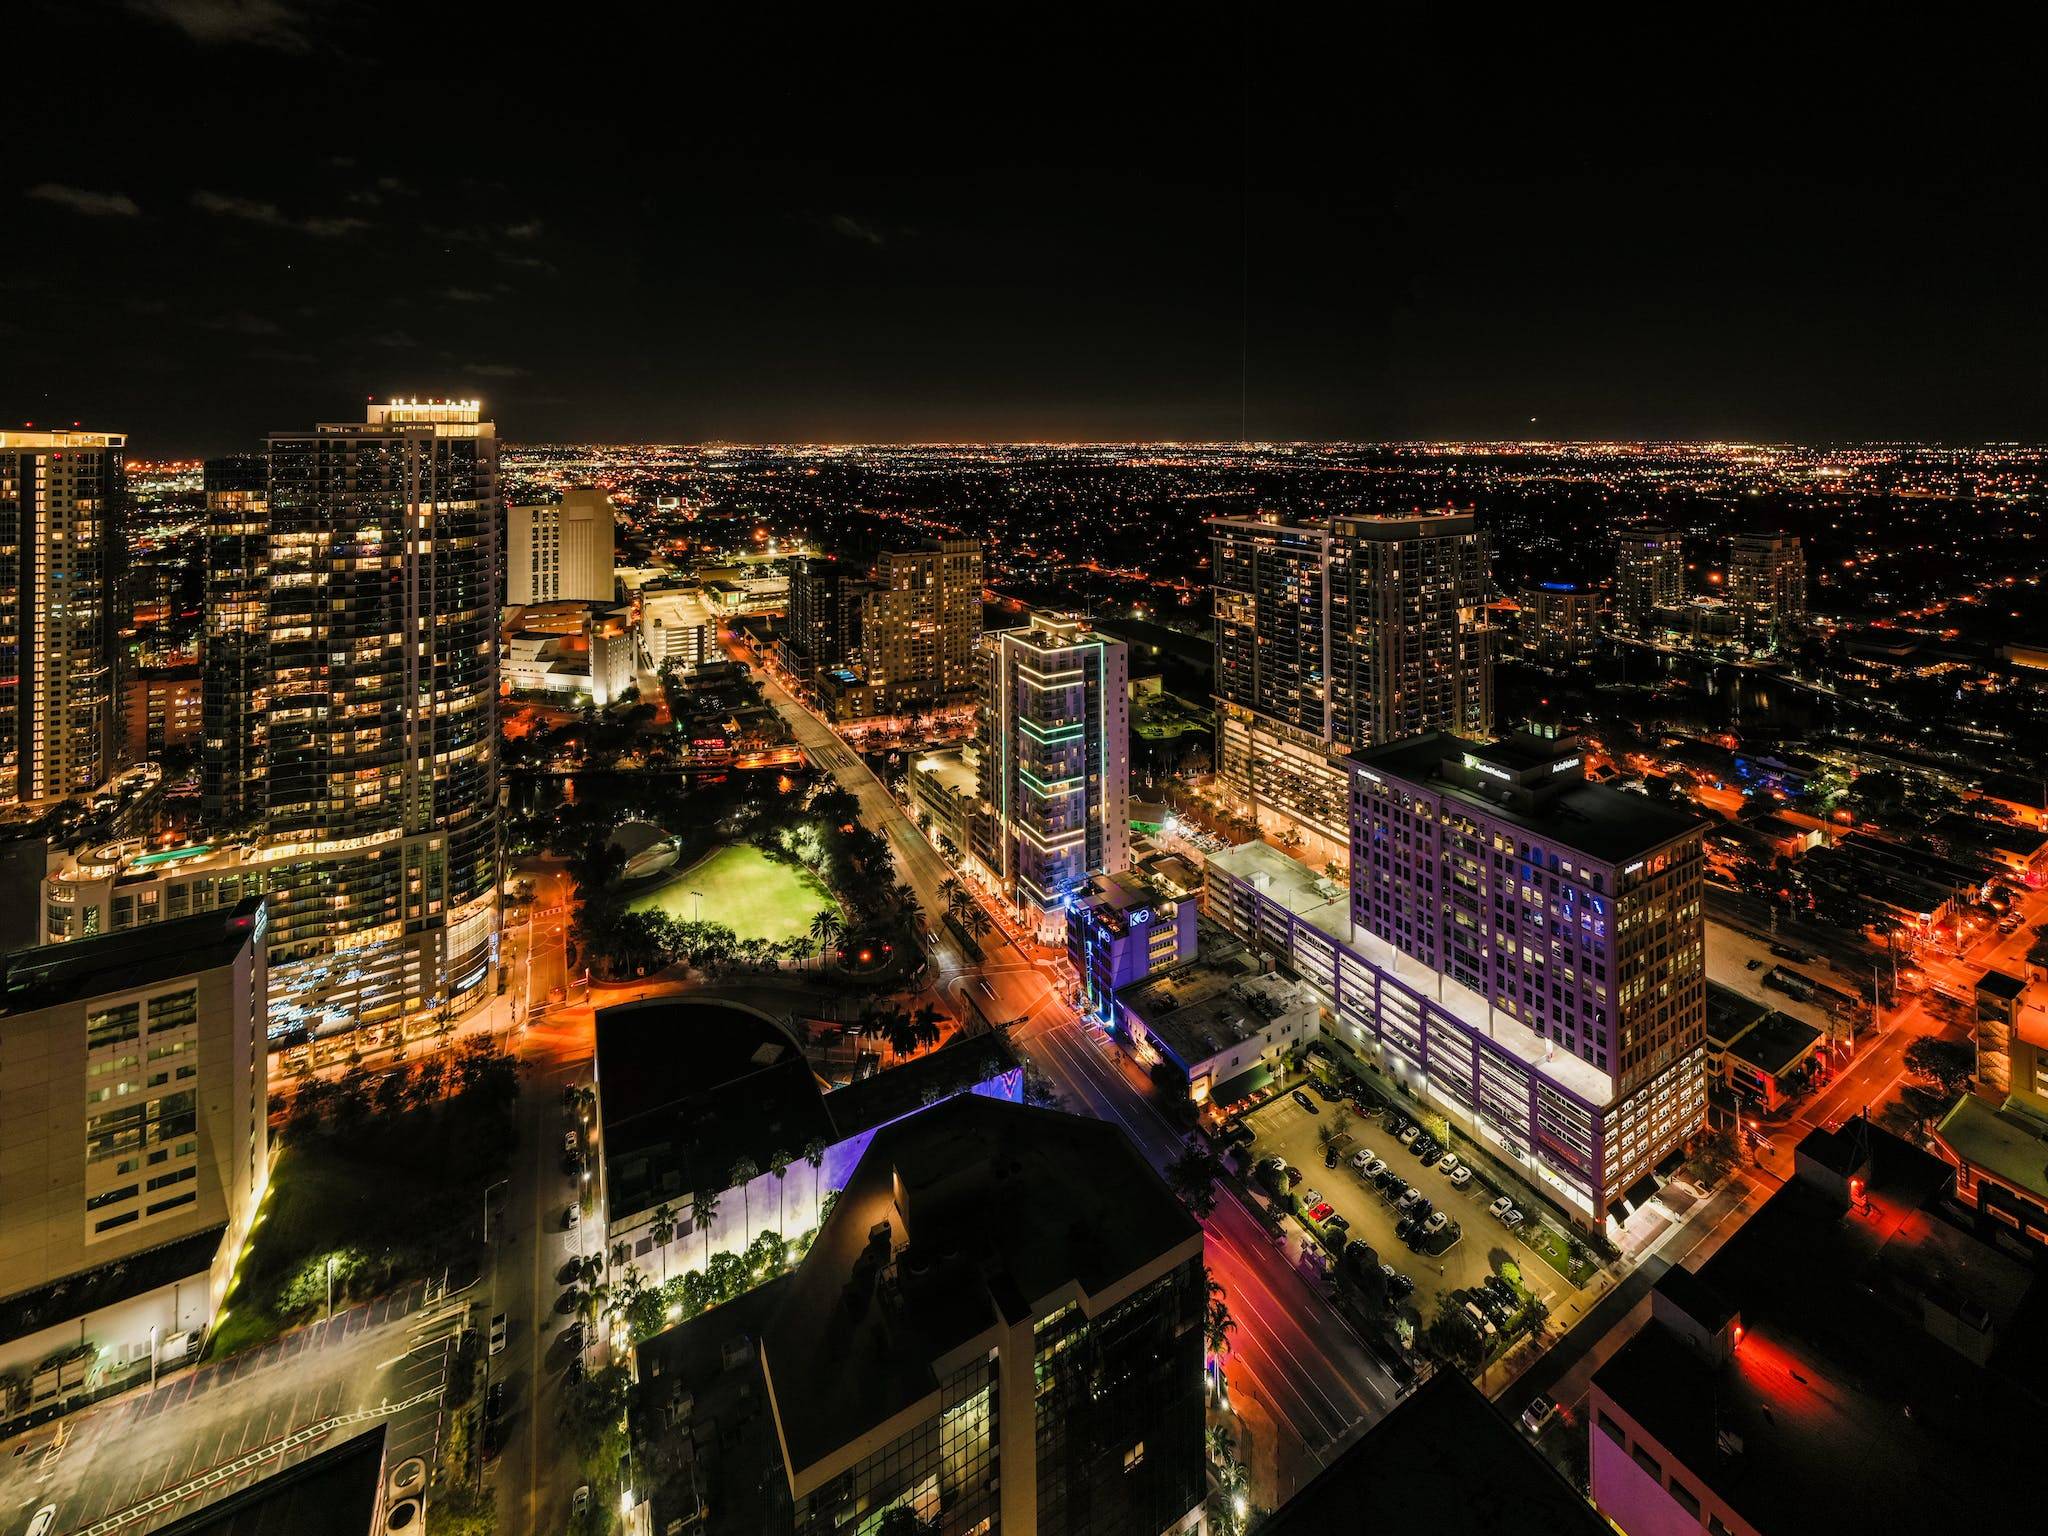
[(1122, 928), (1518, 946)]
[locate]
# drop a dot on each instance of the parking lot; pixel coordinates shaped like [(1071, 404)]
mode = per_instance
[(1471, 1248), (108, 1458)]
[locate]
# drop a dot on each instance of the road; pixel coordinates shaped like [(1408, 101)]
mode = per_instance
[(1291, 1349), (533, 1478)]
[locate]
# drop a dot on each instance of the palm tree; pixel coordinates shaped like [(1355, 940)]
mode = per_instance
[(1218, 1324), (826, 928), (814, 1154), (979, 922), (779, 1166), (664, 1234), (742, 1171), (925, 1024), (950, 892), (702, 1210)]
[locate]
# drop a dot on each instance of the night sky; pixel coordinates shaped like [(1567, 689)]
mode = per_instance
[(231, 216)]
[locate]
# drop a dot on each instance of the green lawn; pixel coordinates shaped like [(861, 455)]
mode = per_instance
[(1556, 1253), (744, 889)]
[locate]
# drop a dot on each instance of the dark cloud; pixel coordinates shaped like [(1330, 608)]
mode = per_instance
[(94, 205), (255, 211), (256, 23), (863, 230)]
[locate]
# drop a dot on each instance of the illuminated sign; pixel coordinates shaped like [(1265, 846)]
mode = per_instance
[(1563, 764), (1488, 768), (1141, 916), (1633, 867)]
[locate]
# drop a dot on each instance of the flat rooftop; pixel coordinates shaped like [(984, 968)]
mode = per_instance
[(2008, 1141), (687, 1087), (1294, 886), (949, 769), (1850, 1412), (1212, 1002), (1729, 1013), (1609, 824), (119, 962), (1002, 1206), (1445, 1462), (1774, 1043)]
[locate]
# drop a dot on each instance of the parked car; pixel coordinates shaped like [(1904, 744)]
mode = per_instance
[(1293, 1175), (1436, 1223), (1424, 1148), (579, 1501), (1361, 1157), (1404, 1228), (1375, 1168), (574, 1218), (1311, 1197), (1336, 1227), (1321, 1211), (1511, 1218), (1305, 1102), (1329, 1157), (498, 1334), (1409, 1133), (1537, 1416), (1503, 1204), (1447, 1163), (1408, 1199), (569, 1143), (1324, 1091), (1460, 1176), (1399, 1286), (1239, 1134), (1394, 1186), (1422, 1207)]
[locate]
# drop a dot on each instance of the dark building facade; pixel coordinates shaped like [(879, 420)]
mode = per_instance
[(62, 565), (235, 642)]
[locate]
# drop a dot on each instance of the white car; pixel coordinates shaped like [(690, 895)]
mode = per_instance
[(1500, 1207), (45, 1518), (1374, 1169), (1361, 1157), (1511, 1218), (1436, 1223), (498, 1334), (1409, 1133), (1446, 1163), (1311, 1198), (1461, 1176), (574, 1218), (1409, 1198), (569, 1141)]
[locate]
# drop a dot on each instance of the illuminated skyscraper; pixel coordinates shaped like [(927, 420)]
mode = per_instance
[(381, 818), (234, 689), (1649, 573), (61, 567), (1056, 767), (1336, 636), (561, 551), (1766, 586), (919, 623)]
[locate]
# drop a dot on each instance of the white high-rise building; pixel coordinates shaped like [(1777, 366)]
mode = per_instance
[(561, 551)]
